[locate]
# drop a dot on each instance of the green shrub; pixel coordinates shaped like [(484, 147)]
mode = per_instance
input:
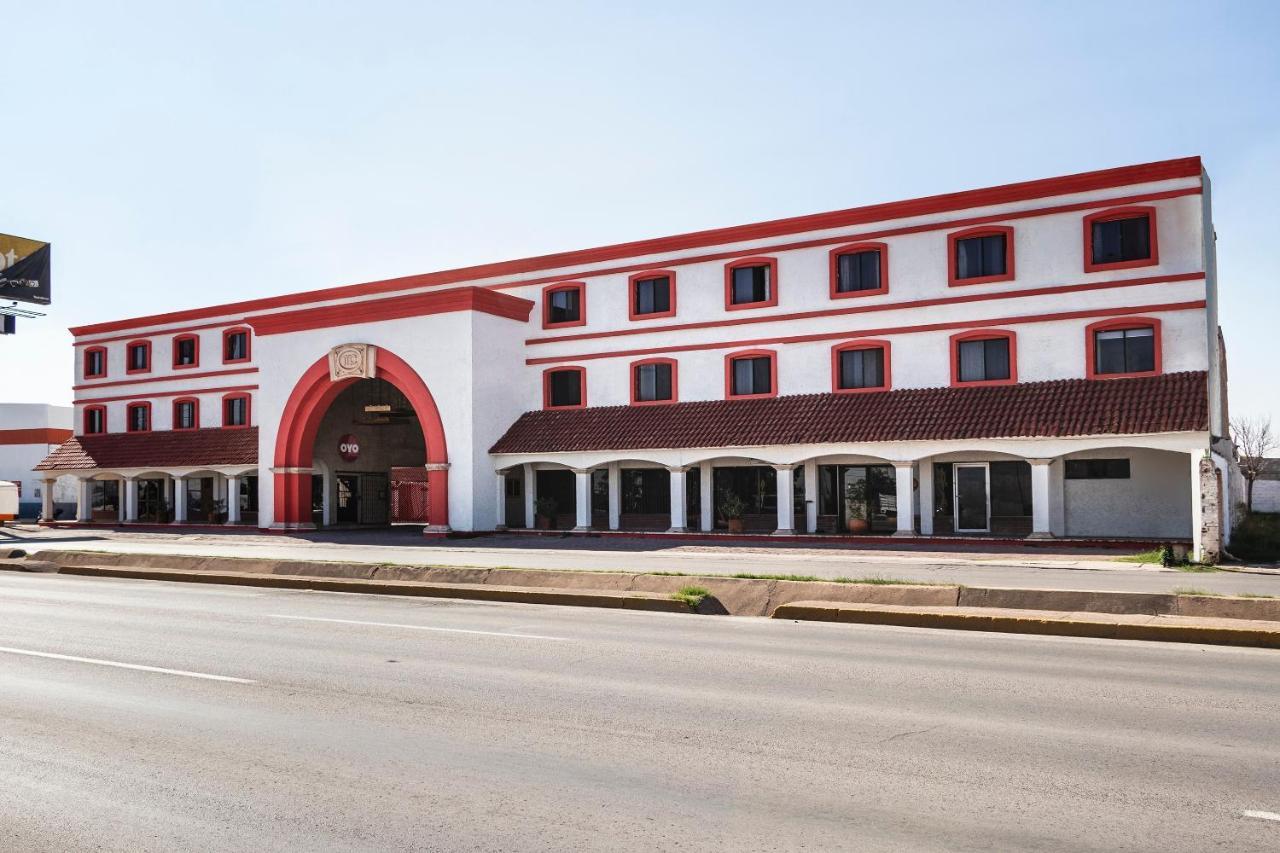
[(1257, 538)]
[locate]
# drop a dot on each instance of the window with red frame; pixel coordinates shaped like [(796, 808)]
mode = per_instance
[(95, 362), (139, 417), (981, 256), (751, 376), (564, 388), (1120, 240), (858, 368), (95, 420), (983, 360), (652, 296), (186, 351), (653, 382), (235, 346), (235, 411), (751, 284), (1124, 350), (858, 270), (139, 357), (564, 306), (186, 414)]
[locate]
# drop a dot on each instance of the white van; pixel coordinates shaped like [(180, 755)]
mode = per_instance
[(8, 501)]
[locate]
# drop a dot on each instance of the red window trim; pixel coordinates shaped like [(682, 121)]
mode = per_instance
[(196, 402), (1130, 212), (757, 261), (675, 384), (670, 275), (128, 357), (248, 344), (84, 426), (581, 287), (882, 248), (85, 363), (546, 386), (982, 335), (128, 416), (980, 231), (865, 343), (248, 410), (174, 359), (750, 353), (1090, 351)]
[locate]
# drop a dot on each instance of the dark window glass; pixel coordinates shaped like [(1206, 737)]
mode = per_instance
[(237, 346), (1124, 350), (184, 415), (653, 295), (977, 257), (646, 491), (95, 421), (1116, 240), (139, 357), (984, 360), (139, 418), (653, 382), (566, 388), (752, 375), (184, 351), (858, 271), (1097, 469), (564, 306), (862, 368), (1010, 489), (95, 363), (750, 284), (235, 410)]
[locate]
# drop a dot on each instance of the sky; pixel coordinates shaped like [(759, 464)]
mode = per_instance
[(185, 154)]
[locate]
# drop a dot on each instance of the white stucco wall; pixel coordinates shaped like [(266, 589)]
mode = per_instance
[(1155, 501), (1266, 496)]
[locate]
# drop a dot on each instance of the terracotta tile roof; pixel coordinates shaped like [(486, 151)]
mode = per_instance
[(160, 449), (1174, 402)]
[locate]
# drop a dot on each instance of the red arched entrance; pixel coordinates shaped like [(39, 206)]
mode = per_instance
[(301, 419)]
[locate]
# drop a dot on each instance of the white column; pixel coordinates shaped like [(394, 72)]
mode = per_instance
[(179, 500), (233, 499), (811, 497), (1040, 528), (131, 499), (500, 508), (706, 497), (905, 498), (615, 496), (582, 498), (1197, 507), (679, 509), (786, 500), (84, 512), (530, 482), (926, 496), (46, 499)]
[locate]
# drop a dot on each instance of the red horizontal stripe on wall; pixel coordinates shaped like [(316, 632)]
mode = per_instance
[(160, 333), (867, 333), (173, 377), (34, 435), (1027, 190), (146, 395), (395, 308)]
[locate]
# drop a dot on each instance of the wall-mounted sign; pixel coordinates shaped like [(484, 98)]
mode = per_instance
[(349, 448), (353, 361), (24, 270)]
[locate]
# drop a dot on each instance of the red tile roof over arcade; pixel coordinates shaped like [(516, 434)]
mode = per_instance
[(1175, 402), (160, 449)]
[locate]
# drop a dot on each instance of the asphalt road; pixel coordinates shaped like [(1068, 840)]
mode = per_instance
[(1063, 568), (372, 723)]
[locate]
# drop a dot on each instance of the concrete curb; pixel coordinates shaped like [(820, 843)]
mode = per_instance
[(524, 595), (1010, 621)]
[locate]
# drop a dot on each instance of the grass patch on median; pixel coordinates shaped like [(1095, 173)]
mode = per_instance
[(1191, 590), (691, 595)]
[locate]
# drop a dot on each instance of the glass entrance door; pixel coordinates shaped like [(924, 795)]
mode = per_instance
[(972, 497)]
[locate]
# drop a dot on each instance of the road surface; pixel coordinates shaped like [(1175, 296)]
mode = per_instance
[(140, 716)]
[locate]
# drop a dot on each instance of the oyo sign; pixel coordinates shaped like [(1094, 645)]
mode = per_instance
[(349, 448)]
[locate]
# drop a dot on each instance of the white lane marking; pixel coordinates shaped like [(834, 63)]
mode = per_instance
[(418, 627), (119, 665), (1261, 815)]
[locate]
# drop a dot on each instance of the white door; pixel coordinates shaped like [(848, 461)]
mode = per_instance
[(972, 484)]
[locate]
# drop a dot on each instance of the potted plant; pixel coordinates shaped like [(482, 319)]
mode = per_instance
[(855, 505), (732, 508), (219, 512), (544, 509)]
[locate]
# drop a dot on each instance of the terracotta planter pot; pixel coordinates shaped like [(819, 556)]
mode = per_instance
[(858, 525), (735, 525), (541, 522)]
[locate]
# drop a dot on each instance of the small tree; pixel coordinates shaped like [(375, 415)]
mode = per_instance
[(1254, 440)]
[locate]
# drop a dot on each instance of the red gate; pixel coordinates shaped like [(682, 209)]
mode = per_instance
[(410, 497)]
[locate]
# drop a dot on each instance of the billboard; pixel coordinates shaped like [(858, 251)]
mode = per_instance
[(24, 270)]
